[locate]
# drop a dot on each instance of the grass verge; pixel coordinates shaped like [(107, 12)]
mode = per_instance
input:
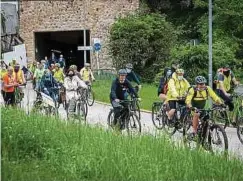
[(41, 148)]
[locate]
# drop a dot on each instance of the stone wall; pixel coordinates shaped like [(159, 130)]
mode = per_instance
[(57, 15)]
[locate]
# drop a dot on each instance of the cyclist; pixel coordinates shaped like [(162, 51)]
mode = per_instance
[(131, 75), (197, 97), (120, 90), (177, 90), (163, 85), (19, 77), (62, 62), (9, 85), (49, 85), (12, 64), (45, 64), (52, 67), (71, 84), (33, 66), (58, 73), (3, 71), (86, 74), (39, 72), (224, 79), (18, 74), (76, 72)]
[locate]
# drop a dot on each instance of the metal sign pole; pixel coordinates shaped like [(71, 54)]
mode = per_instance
[(210, 51), (28, 97), (85, 57), (98, 63)]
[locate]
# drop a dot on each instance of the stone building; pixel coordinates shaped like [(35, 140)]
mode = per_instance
[(70, 26)]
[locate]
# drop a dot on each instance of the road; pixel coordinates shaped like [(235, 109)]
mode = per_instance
[(98, 113)]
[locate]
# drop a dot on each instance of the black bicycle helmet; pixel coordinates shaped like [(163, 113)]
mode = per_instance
[(200, 80), (122, 72), (129, 66)]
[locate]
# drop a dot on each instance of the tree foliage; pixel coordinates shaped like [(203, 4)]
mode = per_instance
[(192, 22), (145, 40)]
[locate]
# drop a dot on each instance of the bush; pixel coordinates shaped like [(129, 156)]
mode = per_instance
[(143, 40)]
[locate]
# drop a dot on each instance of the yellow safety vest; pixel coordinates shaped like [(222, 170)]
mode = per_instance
[(226, 83)]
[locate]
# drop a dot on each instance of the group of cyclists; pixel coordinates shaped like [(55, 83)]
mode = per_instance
[(173, 89), (47, 78)]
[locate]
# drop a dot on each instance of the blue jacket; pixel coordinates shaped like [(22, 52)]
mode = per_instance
[(121, 91), (48, 83)]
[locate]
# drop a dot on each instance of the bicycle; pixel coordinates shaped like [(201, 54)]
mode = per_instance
[(160, 119), (18, 96), (208, 132), (45, 104), (126, 120), (80, 107), (223, 115), (62, 96)]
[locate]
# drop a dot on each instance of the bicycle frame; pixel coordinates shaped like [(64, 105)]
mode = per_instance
[(126, 110)]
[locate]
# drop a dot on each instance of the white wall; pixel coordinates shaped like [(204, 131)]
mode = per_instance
[(19, 54)]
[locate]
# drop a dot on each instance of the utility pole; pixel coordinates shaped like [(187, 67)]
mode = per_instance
[(210, 46)]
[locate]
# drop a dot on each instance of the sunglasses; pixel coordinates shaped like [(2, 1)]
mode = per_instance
[(201, 84)]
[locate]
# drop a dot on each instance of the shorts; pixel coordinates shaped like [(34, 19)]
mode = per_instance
[(199, 104), (172, 103)]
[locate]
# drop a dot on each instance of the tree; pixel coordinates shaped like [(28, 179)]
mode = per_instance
[(143, 40)]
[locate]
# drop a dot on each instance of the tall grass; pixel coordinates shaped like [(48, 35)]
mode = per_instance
[(41, 148), (148, 93)]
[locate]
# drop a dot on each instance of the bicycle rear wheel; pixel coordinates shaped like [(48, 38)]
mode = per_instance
[(221, 116)]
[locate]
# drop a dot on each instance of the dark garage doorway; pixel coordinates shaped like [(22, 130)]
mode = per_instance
[(66, 42)]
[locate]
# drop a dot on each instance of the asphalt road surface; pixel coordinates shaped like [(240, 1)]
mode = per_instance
[(98, 113)]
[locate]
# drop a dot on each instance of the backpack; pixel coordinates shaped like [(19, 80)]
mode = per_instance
[(166, 80), (195, 91), (165, 87)]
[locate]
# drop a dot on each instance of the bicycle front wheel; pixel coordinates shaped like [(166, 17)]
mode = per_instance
[(137, 110), (239, 128), (157, 115), (133, 125), (110, 119), (81, 112), (90, 97), (217, 139)]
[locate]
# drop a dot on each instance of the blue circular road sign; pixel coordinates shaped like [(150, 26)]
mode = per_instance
[(97, 46)]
